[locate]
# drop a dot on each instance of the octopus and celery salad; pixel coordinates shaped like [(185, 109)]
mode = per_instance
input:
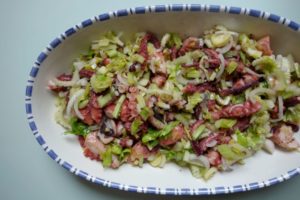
[(205, 103)]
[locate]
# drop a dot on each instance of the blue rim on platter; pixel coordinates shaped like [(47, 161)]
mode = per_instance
[(142, 10)]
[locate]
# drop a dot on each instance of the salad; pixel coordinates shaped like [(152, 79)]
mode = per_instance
[(205, 103)]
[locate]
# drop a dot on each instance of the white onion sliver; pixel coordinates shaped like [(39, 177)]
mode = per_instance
[(75, 78), (269, 146), (76, 109), (200, 160), (72, 100), (104, 138), (280, 107), (212, 143), (222, 66), (260, 91), (122, 80), (250, 71), (227, 32), (226, 48), (79, 65), (82, 82), (280, 110), (185, 81), (164, 40)]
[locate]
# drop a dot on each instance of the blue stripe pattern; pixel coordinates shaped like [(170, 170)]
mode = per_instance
[(52, 154), (28, 91), (214, 8), (195, 7), (274, 18), (32, 126), (28, 108), (177, 7), (55, 43), (70, 32), (140, 10), (67, 166), (86, 23), (104, 17), (293, 25), (41, 57), (121, 13), (34, 71), (40, 140), (153, 190), (160, 8), (235, 10), (253, 186), (254, 13)]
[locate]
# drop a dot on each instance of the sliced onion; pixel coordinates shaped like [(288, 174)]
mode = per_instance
[(250, 71), (260, 91), (82, 82), (185, 81), (227, 32), (79, 65), (76, 109), (212, 143), (104, 139), (72, 100), (202, 63), (222, 66), (280, 110), (122, 80), (200, 160), (94, 127), (226, 48), (164, 40), (75, 78), (269, 146)]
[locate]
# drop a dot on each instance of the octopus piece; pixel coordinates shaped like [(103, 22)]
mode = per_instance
[(214, 158), (128, 111), (174, 52), (126, 142), (213, 58), (139, 151), (108, 110), (176, 134), (191, 43), (169, 116), (151, 101), (292, 101), (264, 45), (92, 113), (283, 136), (247, 81), (196, 124), (242, 110), (156, 122), (200, 146), (242, 124), (194, 64), (115, 163), (289, 102), (86, 73), (94, 144), (62, 77), (143, 51), (159, 80), (191, 88)]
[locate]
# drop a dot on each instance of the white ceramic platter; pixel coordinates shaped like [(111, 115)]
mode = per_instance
[(259, 171)]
